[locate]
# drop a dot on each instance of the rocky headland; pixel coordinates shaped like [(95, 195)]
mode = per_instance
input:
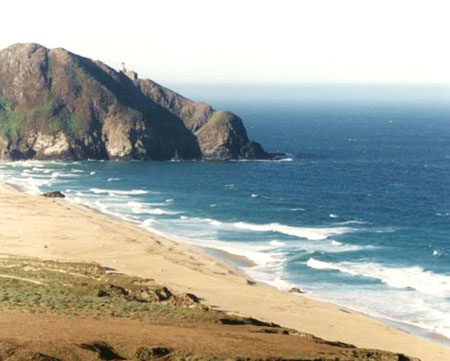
[(56, 105)]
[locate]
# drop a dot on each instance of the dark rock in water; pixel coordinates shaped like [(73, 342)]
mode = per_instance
[(278, 155), (296, 290), (56, 194), (58, 105)]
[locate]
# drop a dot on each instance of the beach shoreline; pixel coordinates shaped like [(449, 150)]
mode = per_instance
[(241, 261), (123, 246)]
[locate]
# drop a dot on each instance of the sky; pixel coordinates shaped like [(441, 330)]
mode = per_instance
[(246, 41)]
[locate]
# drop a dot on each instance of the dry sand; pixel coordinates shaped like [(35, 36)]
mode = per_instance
[(59, 230)]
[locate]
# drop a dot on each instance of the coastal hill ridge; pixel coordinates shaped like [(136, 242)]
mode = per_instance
[(56, 105)]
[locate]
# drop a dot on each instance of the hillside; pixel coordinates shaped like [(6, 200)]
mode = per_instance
[(56, 105), (66, 311)]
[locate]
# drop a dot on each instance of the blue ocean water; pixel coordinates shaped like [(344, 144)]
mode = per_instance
[(357, 214)]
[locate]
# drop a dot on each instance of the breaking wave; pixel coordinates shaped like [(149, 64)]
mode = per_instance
[(415, 278)]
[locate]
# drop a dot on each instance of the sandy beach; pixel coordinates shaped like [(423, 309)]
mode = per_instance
[(59, 230)]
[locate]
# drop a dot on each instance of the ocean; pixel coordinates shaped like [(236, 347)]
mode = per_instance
[(358, 213)]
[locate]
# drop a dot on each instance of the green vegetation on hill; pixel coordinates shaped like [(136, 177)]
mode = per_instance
[(54, 116), (11, 122), (84, 289)]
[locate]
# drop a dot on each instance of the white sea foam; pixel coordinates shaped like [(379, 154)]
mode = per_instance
[(446, 214), (253, 195), (354, 221), (298, 209), (333, 215), (28, 184), (407, 277), (266, 258), (314, 234), (148, 222), (145, 204), (105, 208), (272, 278), (63, 175), (384, 230), (327, 246), (276, 243), (156, 211), (113, 179), (118, 192), (193, 220), (300, 245), (262, 160)]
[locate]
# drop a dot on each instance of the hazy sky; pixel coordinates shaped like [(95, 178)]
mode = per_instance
[(241, 41)]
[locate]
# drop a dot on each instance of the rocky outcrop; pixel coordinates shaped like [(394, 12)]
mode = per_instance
[(224, 136), (194, 114), (220, 134), (57, 105)]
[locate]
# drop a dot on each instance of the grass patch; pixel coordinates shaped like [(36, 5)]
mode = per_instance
[(11, 122), (83, 289), (53, 115)]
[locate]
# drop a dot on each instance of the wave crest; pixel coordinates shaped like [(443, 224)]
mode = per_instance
[(415, 278), (313, 234)]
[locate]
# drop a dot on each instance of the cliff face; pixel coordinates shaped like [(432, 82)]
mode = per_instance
[(58, 105), (220, 134)]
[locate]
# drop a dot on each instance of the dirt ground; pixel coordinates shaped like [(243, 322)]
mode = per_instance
[(37, 337)]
